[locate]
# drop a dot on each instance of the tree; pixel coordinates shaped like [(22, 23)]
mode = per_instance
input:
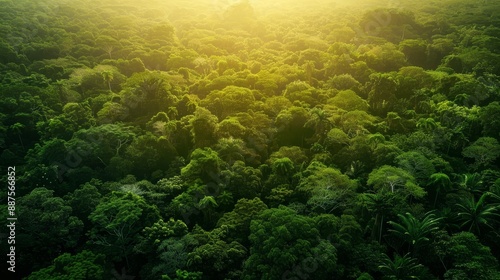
[(443, 183), (155, 153), (394, 122), (117, 221), (84, 265), (381, 97), (381, 204), (207, 205), (484, 151), (336, 139), (148, 93), (419, 166), (320, 122), (231, 127), (456, 255), (357, 122), (325, 188), (91, 81), (437, 50), (285, 244), (478, 215), (98, 147), (18, 127), (216, 257), (384, 58), (231, 150), (49, 229), (230, 100), (345, 82), (77, 116), (471, 183), (203, 127), (490, 119), (348, 100), (386, 153), (84, 199), (392, 178), (402, 268), (238, 221), (427, 124), (162, 32), (415, 231), (301, 91), (204, 164), (244, 181), (415, 51), (160, 231), (185, 275), (186, 205), (376, 139), (108, 78), (275, 104), (290, 127), (283, 167), (107, 43), (163, 243), (112, 112)]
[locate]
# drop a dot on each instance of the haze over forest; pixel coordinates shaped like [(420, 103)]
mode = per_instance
[(250, 140)]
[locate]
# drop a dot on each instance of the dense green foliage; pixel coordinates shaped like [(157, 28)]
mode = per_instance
[(250, 140)]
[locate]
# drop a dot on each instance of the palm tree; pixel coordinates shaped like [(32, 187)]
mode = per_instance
[(401, 268), (442, 181), (380, 205), (476, 215), (415, 231), (425, 106), (17, 127), (471, 183), (427, 124), (319, 122), (108, 77), (231, 149), (202, 65), (375, 139), (62, 89), (207, 205), (226, 198), (393, 120), (151, 88), (419, 96), (283, 166)]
